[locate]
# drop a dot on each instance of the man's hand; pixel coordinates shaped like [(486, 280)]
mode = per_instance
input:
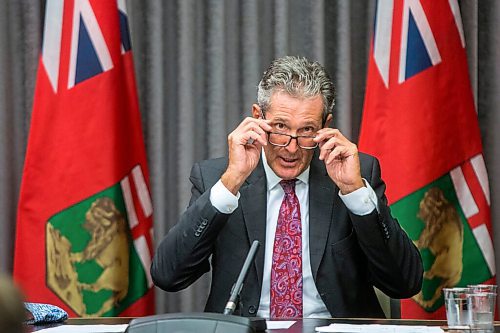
[(245, 144), (341, 159)]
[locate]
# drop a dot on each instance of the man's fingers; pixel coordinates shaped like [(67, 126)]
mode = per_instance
[(254, 137), (327, 146), (338, 154), (330, 152), (327, 133), (254, 130), (253, 123)]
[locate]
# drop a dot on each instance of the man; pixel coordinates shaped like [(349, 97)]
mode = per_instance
[(315, 204)]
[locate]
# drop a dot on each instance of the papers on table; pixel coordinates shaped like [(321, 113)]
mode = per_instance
[(279, 324), (86, 329), (375, 328)]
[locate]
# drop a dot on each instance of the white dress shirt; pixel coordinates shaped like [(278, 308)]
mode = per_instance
[(361, 202)]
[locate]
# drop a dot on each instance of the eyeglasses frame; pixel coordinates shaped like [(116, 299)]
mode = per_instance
[(296, 137)]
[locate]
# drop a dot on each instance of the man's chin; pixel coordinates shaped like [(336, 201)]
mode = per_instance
[(287, 173)]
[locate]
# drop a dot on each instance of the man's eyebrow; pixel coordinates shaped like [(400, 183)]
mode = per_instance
[(308, 122), (311, 123), (280, 119)]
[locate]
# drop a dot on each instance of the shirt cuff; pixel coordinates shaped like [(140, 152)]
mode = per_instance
[(222, 199), (362, 201)]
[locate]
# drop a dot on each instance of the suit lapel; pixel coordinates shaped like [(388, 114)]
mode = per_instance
[(321, 196), (253, 205)]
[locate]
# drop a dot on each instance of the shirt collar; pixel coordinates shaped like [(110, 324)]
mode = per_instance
[(273, 179)]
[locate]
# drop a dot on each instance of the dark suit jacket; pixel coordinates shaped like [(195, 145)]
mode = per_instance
[(349, 254)]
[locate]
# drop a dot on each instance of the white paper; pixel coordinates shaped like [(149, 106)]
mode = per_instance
[(85, 329), (279, 324), (376, 328)]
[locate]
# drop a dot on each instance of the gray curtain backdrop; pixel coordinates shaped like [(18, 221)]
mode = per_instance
[(197, 67)]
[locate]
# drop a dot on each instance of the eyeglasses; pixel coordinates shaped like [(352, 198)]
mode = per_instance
[(283, 140)]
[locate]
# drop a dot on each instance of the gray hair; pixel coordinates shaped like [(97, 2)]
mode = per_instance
[(297, 77)]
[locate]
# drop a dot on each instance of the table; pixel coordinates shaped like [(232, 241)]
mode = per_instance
[(84, 321), (301, 326)]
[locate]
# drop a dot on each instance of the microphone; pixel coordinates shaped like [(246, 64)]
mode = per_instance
[(206, 322), (235, 292)]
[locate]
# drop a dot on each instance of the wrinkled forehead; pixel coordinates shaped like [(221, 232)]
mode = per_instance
[(290, 108)]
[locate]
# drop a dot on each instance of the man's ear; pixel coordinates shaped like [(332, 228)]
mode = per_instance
[(256, 112), (328, 120)]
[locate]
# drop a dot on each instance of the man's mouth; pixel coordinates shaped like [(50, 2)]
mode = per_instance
[(287, 161)]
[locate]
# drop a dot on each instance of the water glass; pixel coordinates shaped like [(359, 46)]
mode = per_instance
[(482, 305), (458, 307)]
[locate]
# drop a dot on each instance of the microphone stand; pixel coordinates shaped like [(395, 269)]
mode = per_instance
[(235, 292)]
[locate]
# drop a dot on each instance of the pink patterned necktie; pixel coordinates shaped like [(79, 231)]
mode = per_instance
[(286, 270)]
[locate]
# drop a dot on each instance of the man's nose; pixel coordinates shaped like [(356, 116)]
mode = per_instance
[(293, 146)]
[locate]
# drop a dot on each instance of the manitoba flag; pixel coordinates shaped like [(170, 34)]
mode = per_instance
[(84, 224), (419, 119)]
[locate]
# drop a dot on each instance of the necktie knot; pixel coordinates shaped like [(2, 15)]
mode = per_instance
[(288, 186)]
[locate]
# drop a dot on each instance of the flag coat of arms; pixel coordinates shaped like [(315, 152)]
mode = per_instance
[(84, 224), (419, 119)]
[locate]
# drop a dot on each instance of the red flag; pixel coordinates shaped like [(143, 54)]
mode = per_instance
[(420, 121), (84, 224)]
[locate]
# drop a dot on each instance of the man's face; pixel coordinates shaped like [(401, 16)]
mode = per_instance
[(294, 116)]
